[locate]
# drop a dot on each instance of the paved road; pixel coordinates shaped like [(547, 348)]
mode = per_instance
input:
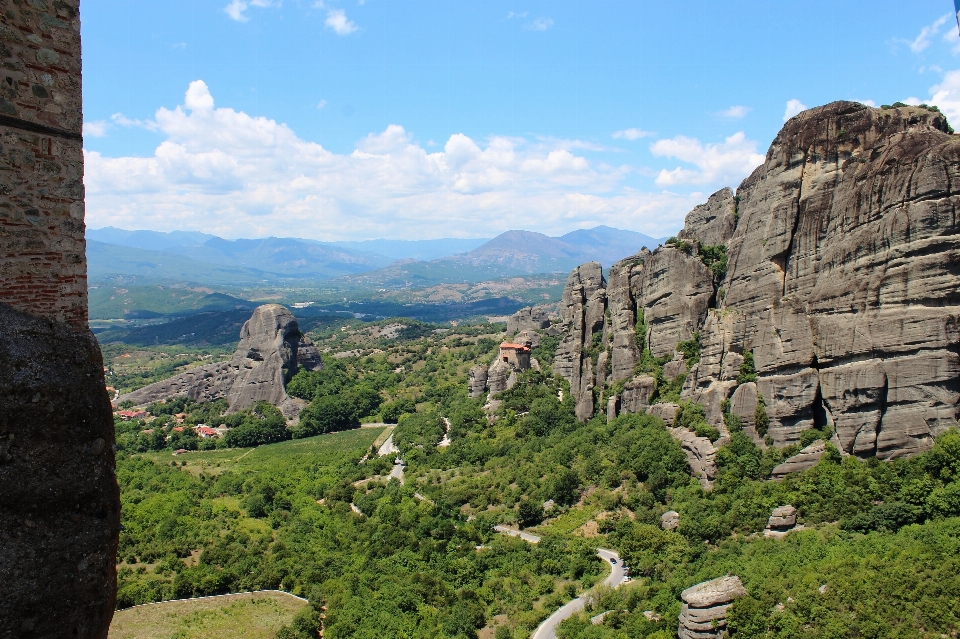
[(387, 448), (548, 629), (513, 532), (397, 472)]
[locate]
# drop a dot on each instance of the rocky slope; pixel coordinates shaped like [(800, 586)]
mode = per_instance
[(270, 352), (843, 255)]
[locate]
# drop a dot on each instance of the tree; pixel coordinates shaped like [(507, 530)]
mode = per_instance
[(326, 415)]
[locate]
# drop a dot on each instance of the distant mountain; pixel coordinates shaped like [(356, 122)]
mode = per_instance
[(608, 245), (106, 261), (286, 257), (514, 253), (424, 250), (149, 240)]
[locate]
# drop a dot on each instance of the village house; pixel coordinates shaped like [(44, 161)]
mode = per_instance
[(127, 415), (205, 431)]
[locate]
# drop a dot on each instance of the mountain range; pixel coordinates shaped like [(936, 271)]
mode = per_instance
[(200, 258)]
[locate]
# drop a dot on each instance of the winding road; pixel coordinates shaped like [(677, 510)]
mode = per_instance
[(616, 578)]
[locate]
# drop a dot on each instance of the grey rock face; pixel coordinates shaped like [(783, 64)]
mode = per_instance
[(270, 352), (636, 394), (497, 376), (666, 411), (804, 460), (670, 520), (705, 606), (782, 518), (477, 384), (59, 502), (531, 319), (712, 223), (842, 282), (701, 455)]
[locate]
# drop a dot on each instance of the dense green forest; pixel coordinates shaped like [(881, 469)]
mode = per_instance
[(878, 556)]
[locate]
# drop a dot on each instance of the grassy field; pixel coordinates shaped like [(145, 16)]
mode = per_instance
[(252, 616), (214, 462)]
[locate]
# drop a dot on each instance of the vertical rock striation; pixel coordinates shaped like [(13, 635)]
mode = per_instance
[(843, 253), (705, 606)]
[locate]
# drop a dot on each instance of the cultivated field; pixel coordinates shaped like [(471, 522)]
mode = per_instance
[(255, 615)]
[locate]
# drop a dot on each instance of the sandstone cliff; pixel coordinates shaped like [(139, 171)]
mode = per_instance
[(843, 254), (270, 352)]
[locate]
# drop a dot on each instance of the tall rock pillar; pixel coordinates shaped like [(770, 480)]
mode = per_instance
[(59, 502)]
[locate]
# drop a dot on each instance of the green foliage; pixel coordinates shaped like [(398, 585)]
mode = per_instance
[(760, 418), (680, 245), (748, 369), (419, 430), (327, 414), (715, 258), (391, 412), (546, 351), (690, 349), (529, 513), (641, 330)]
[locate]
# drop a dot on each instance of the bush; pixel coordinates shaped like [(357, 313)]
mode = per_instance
[(391, 412), (326, 415), (529, 513)]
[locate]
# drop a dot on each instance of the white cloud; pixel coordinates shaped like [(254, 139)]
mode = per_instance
[(337, 20), (946, 95), (540, 24), (226, 172), (321, 104), (922, 41), (631, 134), (236, 8), (180, 45), (512, 15), (869, 103), (96, 129), (724, 163), (794, 107), (736, 112), (122, 120)]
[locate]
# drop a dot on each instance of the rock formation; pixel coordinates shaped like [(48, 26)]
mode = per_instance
[(805, 459), (705, 606), (532, 318), (477, 384), (670, 520), (841, 282), (270, 352), (701, 454), (782, 520)]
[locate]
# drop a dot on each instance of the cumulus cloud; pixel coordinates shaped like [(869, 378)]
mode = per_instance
[(96, 129), (794, 107), (946, 95), (237, 8), (540, 24), (922, 41), (736, 112), (724, 163), (226, 172), (631, 134), (337, 20)]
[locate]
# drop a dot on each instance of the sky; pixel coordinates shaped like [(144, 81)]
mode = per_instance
[(421, 119)]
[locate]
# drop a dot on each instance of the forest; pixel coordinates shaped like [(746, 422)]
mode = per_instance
[(315, 513)]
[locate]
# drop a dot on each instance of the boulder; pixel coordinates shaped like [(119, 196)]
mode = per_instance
[(701, 455), (804, 460), (271, 350), (665, 411), (704, 611), (675, 367), (670, 520), (613, 408), (782, 518)]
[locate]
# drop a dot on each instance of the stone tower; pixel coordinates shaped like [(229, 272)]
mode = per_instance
[(59, 502)]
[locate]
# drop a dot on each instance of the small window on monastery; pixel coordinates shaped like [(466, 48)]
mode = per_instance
[(506, 359)]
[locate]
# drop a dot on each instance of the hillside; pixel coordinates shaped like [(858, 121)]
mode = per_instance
[(769, 398)]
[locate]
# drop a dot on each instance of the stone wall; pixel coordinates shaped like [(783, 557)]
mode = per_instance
[(41, 160), (60, 505)]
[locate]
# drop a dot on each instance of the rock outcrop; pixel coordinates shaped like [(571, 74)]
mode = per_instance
[(670, 520), (841, 282), (804, 460), (270, 352), (782, 520), (701, 455), (532, 318), (477, 384), (705, 606)]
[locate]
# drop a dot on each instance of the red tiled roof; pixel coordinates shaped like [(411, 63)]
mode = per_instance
[(516, 347)]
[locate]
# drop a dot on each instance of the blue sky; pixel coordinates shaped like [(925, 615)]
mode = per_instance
[(426, 118)]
